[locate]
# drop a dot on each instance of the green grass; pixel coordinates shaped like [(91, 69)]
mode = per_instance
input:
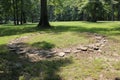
[(62, 34), (61, 40)]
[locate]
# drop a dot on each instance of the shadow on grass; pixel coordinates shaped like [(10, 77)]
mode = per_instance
[(43, 45), (8, 30), (16, 67)]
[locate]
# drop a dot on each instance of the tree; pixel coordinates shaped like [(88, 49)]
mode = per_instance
[(93, 9), (43, 23)]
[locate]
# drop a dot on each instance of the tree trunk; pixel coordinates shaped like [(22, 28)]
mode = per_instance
[(24, 18), (21, 18), (119, 12), (43, 17), (112, 14), (14, 12), (17, 17)]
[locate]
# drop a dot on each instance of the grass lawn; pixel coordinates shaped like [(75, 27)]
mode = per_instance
[(62, 34)]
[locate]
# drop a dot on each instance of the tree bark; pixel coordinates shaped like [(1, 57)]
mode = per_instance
[(17, 17), (119, 12), (112, 14), (21, 15), (24, 17), (43, 17), (14, 12)]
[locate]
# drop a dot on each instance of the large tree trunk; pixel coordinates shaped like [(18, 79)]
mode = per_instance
[(24, 17), (43, 17)]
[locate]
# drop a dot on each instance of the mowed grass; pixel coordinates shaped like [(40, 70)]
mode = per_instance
[(62, 34)]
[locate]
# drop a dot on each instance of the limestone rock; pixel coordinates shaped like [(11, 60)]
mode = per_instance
[(61, 54), (98, 37), (96, 48), (21, 51), (76, 51), (98, 44), (82, 48), (12, 49), (48, 56), (67, 51)]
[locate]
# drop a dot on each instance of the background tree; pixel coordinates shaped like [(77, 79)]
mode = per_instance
[(43, 23), (23, 11)]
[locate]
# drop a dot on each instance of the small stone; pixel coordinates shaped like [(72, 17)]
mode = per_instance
[(12, 46), (42, 51), (96, 48), (61, 54), (82, 48), (49, 56), (36, 52), (21, 52), (67, 51), (91, 50), (12, 49), (104, 40), (102, 45), (98, 44), (99, 51), (1, 72), (76, 51), (54, 52), (98, 37), (31, 55), (91, 46)]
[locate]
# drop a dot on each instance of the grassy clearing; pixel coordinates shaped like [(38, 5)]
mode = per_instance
[(63, 34), (61, 40)]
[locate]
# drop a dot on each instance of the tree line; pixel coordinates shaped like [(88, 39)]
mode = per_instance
[(22, 11)]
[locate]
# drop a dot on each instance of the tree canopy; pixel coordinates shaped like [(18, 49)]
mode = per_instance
[(22, 11)]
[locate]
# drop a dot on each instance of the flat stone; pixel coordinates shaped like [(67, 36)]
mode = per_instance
[(76, 51), (67, 51), (12, 49), (12, 46), (91, 50), (98, 44), (61, 54), (96, 48), (36, 52), (49, 56), (42, 51), (82, 48), (98, 37), (104, 40), (91, 46), (54, 52), (1, 72), (99, 50), (21, 52), (30, 55)]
